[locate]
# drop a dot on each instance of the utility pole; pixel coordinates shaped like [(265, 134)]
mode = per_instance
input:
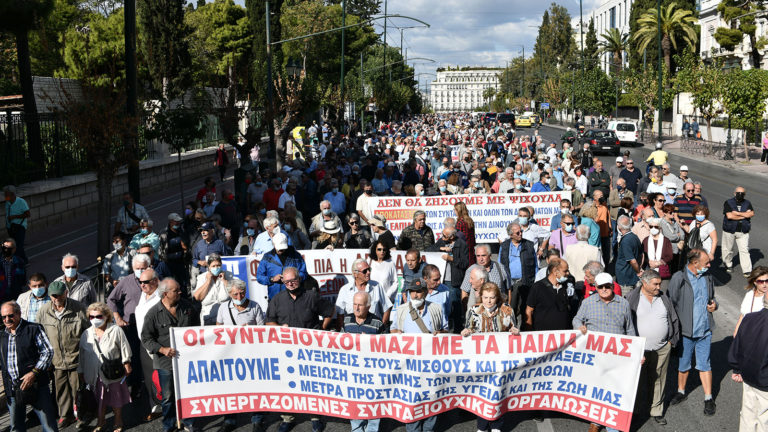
[(365, 102), (658, 38), (270, 109), (134, 181), (385, 37), (341, 88)]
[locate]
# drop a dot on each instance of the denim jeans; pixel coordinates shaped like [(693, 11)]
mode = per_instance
[(169, 401), (371, 425), (44, 407), (231, 419), (423, 425)]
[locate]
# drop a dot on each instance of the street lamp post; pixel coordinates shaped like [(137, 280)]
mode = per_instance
[(341, 80), (658, 39), (728, 150)]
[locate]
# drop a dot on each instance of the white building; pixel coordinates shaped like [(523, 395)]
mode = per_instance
[(462, 90), (739, 57), (610, 14)]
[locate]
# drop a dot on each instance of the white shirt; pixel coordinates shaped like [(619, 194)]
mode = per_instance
[(364, 206), (218, 293), (581, 184), (284, 198), (145, 304), (386, 275), (750, 303), (380, 302)]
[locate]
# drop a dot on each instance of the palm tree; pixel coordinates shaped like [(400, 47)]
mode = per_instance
[(677, 25), (614, 43), (19, 17)]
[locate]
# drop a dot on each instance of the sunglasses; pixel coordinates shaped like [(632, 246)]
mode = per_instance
[(368, 270), (146, 282), (379, 249), (761, 281), (352, 223), (95, 316), (8, 317), (605, 286), (659, 200)]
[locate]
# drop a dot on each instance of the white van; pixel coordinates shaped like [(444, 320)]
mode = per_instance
[(625, 130)]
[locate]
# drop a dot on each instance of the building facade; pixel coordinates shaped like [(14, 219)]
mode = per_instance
[(610, 14), (462, 90), (739, 57)]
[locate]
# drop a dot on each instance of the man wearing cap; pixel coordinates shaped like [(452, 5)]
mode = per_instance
[(381, 233), (418, 235), (604, 312), (683, 177), (655, 319), (64, 321), (615, 170), (380, 304), (207, 245), (270, 269)]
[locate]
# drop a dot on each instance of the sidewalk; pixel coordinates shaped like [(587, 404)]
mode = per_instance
[(673, 146)]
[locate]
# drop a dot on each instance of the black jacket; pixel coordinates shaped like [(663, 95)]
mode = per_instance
[(460, 262), (27, 353), (748, 355), (527, 256), (157, 324)]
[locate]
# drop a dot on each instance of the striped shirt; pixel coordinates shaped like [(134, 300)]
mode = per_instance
[(611, 317), (684, 207), (371, 325), (35, 305)]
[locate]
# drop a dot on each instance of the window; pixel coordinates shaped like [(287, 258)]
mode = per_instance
[(613, 17)]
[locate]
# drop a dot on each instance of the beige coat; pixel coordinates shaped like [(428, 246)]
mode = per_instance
[(113, 344)]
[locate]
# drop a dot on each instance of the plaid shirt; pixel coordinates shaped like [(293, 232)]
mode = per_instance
[(43, 345), (34, 306), (612, 317)]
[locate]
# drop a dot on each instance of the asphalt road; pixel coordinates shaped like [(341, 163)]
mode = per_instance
[(718, 184)]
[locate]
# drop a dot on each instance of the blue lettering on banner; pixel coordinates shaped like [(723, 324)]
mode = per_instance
[(229, 369), (237, 266)]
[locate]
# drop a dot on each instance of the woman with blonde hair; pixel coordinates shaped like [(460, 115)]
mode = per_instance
[(757, 286), (105, 342), (466, 225)]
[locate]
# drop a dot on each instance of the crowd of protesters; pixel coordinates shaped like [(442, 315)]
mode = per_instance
[(628, 253)]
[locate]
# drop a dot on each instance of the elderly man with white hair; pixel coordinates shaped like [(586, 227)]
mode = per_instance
[(380, 302), (263, 242), (79, 285), (326, 214), (579, 254), (496, 274)]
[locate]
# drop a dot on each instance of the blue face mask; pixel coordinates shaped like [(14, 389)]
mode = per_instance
[(523, 220), (38, 292), (251, 232), (70, 272), (245, 224), (263, 211), (215, 270), (239, 302), (144, 231), (562, 279), (443, 188), (702, 270), (568, 227), (700, 218)]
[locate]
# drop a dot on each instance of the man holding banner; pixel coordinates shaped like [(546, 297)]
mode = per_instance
[(380, 304)]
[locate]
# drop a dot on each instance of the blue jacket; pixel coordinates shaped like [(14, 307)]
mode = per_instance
[(203, 249), (271, 265), (540, 187)]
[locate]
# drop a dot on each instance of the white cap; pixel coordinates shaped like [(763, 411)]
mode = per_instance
[(683, 167), (619, 159), (603, 278), (280, 241)]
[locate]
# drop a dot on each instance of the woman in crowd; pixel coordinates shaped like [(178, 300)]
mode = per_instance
[(671, 229), (581, 180), (383, 269), (757, 286), (211, 289), (330, 236), (657, 250), (466, 225), (707, 231), (291, 228), (490, 315), (105, 341), (356, 238), (625, 208), (658, 201)]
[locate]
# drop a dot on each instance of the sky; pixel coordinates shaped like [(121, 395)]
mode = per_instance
[(470, 32)]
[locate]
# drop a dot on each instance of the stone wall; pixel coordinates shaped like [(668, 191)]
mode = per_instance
[(60, 200)]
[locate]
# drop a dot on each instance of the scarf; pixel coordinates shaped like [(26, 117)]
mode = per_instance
[(654, 248)]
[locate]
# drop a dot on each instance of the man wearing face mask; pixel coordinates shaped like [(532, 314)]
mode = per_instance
[(12, 271), (365, 203), (692, 291), (618, 193), (564, 236), (272, 195), (547, 307), (117, 264), (174, 245), (738, 213), (248, 240), (208, 244), (565, 208), (79, 286), (33, 300), (326, 214), (336, 199), (255, 191), (146, 236), (64, 321)]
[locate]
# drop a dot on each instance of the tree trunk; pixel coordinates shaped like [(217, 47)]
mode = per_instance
[(755, 53), (667, 47), (104, 212), (34, 142), (181, 180), (746, 147), (709, 128)]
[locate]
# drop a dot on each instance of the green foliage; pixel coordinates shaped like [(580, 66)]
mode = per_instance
[(639, 8), (177, 126), (219, 39), (641, 88), (677, 25), (614, 43), (257, 27), (591, 46), (732, 34), (164, 42), (745, 96), (555, 46), (98, 55), (364, 9), (47, 42), (594, 91), (9, 72)]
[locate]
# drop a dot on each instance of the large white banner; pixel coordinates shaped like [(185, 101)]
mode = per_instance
[(490, 212), (407, 377), (331, 269)]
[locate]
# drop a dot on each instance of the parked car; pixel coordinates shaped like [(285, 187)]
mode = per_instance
[(489, 117), (601, 140), (626, 131), (505, 118), (523, 121)]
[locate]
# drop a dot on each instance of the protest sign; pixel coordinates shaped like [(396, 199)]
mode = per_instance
[(407, 377), (490, 212), (331, 269)]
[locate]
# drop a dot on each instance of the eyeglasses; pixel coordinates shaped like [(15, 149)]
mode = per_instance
[(364, 271), (352, 222), (291, 282), (379, 249), (8, 317), (630, 163), (659, 200), (689, 190), (70, 267), (95, 316), (761, 281), (146, 282), (605, 286)]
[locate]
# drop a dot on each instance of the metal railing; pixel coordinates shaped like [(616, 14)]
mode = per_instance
[(96, 275), (702, 147)]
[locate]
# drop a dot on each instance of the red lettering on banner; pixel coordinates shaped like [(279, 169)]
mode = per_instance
[(343, 266), (190, 338), (445, 345), (389, 202), (219, 339), (525, 342), (254, 267), (625, 344), (378, 344), (495, 199)]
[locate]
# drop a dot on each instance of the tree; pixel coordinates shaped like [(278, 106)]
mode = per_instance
[(19, 17), (591, 46), (164, 45), (555, 44), (705, 82), (595, 93), (677, 25), (642, 90), (256, 11), (614, 43), (639, 58), (9, 72), (743, 12), (744, 98), (364, 9), (488, 94), (555, 94)]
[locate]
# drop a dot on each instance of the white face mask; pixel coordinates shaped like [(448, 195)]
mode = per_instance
[(97, 322), (138, 273), (654, 231), (417, 303)]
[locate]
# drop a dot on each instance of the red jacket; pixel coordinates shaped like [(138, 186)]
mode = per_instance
[(272, 198)]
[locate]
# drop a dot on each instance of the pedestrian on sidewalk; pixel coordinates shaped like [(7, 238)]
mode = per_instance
[(221, 161), (16, 217), (738, 213), (764, 157)]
